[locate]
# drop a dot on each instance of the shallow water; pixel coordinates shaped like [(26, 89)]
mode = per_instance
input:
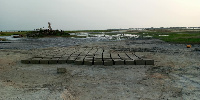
[(10, 38), (163, 35), (118, 36), (34, 43)]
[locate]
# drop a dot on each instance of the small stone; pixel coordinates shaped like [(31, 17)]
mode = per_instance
[(61, 70)]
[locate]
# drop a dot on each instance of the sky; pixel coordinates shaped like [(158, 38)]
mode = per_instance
[(98, 14)]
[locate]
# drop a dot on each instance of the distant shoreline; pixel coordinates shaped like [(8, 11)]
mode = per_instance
[(14, 30)]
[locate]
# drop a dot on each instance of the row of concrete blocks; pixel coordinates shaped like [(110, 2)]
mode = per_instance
[(117, 62), (106, 62)]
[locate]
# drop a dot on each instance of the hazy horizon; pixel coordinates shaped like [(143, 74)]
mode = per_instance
[(98, 14)]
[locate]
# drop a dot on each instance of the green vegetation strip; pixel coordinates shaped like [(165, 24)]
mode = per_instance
[(12, 33), (187, 37), (190, 37), (174, 37)]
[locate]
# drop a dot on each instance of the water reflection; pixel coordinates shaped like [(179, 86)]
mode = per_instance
[(163, 35)]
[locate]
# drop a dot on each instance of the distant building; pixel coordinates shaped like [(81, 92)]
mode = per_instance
[(194, 27)]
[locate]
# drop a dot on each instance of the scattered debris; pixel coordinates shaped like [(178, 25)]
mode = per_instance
[(17, 36), (2, 39), (189, 46)]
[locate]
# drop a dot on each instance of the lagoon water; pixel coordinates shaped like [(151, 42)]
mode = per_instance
[(106, 36), (34, 43)]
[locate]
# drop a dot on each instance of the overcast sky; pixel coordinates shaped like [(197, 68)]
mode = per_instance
[(97, 14)]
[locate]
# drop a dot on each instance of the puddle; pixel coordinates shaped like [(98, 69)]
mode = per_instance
[(163, 35), (148, 36)]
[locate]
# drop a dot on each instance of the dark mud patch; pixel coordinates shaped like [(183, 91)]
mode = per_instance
[(37, 43)]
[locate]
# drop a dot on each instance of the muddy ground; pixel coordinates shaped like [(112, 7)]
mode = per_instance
[(175, 75)]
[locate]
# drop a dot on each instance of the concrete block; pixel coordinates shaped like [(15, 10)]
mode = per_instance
[(139, 55), (78, 62), (61, 70), (83, 54), (107, 59), (61, 54), (90, 54), (129, 62), (53, 61), (108, 62), (118, 61), (149, 62), (66, 56), (74, 55), (71, 60), (88, 62), (132, 56), (51, 54), (47, 56), (106, 56), (35, 60), (139, 62), (100, 59), (80, 58), (27, 61), (124, 56), (88, 58), (62, 60), (57, 56), (98, 56), (44, 61), (98, 62), (114, 56)]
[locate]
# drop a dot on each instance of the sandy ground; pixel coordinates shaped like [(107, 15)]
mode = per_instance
[(175, 75)]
